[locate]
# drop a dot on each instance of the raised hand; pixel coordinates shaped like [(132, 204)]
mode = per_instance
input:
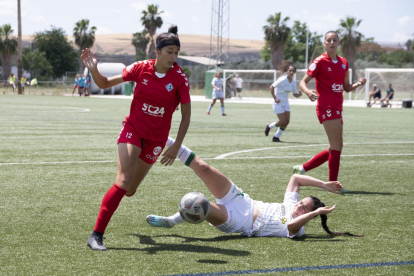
[(90, 62), (325, 210), (333, 186)]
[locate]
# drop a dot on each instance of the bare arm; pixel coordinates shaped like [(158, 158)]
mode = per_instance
[(272, 92), (171, 153), (92, 64), (348, 87), (313, 96), (303, 180), (297, 223)]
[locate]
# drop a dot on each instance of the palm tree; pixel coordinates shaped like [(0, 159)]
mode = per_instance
[(276, 33), (350, 40), (140, 41), (151, 20), (8, 47), (19, 50), (84, 38)]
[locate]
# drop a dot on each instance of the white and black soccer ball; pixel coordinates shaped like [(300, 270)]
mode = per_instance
[(194, 207)]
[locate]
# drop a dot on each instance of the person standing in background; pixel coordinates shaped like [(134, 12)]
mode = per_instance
[(239, 85)]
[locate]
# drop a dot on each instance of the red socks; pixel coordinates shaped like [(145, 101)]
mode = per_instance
[(109, 204), (317, 160), (334, 160)]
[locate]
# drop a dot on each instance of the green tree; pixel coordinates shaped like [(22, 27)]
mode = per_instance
[(350, 39), (59, 51), (140, 41), (265, 52), (8, 47), (84, 37), (36, 64), (151, 20), (186, 71), (277, 34)]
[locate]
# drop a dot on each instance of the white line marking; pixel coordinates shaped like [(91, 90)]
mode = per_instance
[(236, 158), (222, 156)]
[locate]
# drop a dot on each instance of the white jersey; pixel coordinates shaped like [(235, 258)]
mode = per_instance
[(238, 82), (283, 87), (217, 83)]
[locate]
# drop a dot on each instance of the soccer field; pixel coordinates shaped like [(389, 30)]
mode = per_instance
[(58, 158)]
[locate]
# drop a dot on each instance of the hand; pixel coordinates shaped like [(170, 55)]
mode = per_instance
[(325, 210), (361, 81), (277, 100), (314, 96), (218, 89), (90, 62), (170, 154), (333, 186)]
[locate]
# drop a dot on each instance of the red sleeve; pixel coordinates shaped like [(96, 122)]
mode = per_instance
[(184, 91), (314, 68), (131, 72)]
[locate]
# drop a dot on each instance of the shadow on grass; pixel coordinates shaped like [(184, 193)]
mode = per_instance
[(353, 192), (173, 247), (318, 238)]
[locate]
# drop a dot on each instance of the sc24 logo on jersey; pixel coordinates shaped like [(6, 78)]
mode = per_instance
[(337, 88), (153, 110)]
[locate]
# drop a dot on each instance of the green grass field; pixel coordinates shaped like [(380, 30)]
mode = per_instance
[(58, 158)]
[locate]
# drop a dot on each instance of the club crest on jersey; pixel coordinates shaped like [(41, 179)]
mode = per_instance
[(343, 66), (312, 67), (145, 81), (157, 150), (329, 69), (169, 87)]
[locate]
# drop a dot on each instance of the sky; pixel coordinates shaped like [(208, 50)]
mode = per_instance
[(387, 21)]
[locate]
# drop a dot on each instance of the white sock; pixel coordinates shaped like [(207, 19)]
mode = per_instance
[(272, 125), (222, 110), (209, 108), (184, 154), (175, 219), (279, 132), (301, 169)]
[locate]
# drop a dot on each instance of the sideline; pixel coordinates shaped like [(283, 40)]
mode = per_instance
[(303, 268)]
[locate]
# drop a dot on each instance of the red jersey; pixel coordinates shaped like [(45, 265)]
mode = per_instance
[(155, 99), (329, 79)]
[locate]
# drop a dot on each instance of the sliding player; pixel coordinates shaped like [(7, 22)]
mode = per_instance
[(235, 212), (283, 86)]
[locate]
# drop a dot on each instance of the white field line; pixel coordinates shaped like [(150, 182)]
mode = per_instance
[(236, 158), (222, 156)]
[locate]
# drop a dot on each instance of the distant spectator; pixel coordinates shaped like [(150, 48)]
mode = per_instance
[(230, 87), (75, 84), (87, 91), (390, 95), (11, 81), (23, 82), (239, 85), (81, 85), (375, 94)]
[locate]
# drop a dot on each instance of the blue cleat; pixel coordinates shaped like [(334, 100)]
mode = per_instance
[(158, 221)]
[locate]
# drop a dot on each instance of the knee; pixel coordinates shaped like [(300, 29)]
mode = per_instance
[(124, 180)]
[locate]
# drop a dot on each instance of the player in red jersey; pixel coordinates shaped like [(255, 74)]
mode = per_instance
[(332, 78), (161, 87)]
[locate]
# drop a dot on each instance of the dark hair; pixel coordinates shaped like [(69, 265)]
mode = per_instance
[(169, 38), (317, 204), (284, 66), (335, 32)]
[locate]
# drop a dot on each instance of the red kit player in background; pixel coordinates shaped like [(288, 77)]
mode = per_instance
[(161, 87), (332, 78)]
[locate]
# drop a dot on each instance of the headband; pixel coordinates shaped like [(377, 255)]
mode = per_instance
[(167, 42)]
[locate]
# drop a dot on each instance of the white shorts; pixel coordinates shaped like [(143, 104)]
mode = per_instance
[(240, 210), (217, 95), (12, 84), (281, 107)]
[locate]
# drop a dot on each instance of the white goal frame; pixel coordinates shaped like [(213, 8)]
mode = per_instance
[(269, 71), (381, 70), (245, 71)]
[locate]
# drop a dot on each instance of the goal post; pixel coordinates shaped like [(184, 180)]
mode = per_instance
[(401, 79), (253, 80)]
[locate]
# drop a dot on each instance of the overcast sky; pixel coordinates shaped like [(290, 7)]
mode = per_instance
[(385, 20)]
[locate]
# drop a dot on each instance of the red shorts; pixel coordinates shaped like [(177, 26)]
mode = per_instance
[(328, 113), (150, 151)]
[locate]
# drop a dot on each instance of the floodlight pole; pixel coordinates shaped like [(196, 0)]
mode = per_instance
[(220, 32)]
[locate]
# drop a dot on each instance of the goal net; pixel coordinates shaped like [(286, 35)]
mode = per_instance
[(402, 81), (255, 82)]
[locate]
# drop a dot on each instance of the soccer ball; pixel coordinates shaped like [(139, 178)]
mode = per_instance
[(194, 207)]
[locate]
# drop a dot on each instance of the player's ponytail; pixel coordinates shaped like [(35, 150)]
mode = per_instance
[(285, 65), (169, 38), (317, 204)]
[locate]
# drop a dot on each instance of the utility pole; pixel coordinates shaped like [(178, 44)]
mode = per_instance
[(220, 32)]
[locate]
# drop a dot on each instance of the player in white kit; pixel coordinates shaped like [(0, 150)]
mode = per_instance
[(217, 85), (280, 90), (235, 212)]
